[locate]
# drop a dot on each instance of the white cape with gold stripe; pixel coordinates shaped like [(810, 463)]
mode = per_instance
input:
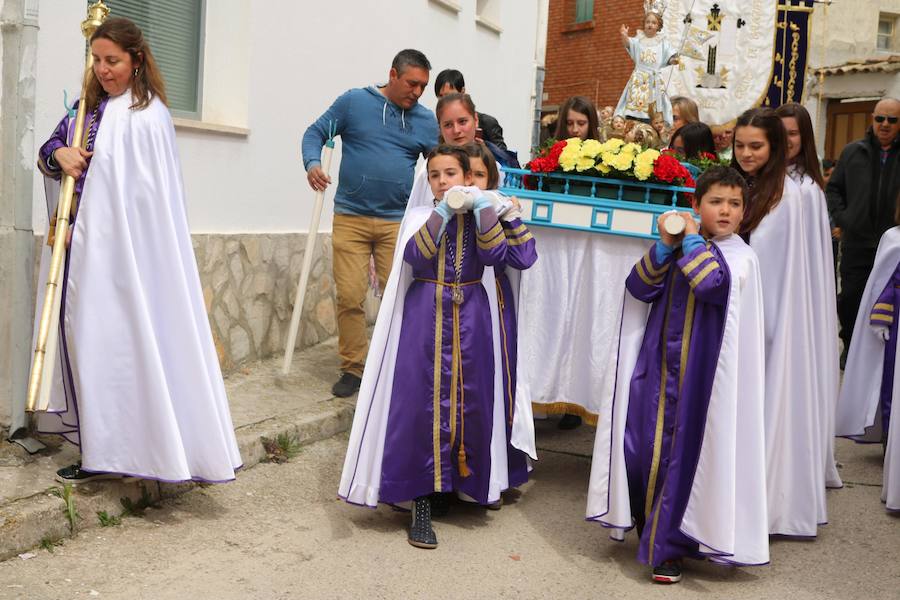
[(796, 412), (149, 399), (726, 511), (361, 476), (858, 406)]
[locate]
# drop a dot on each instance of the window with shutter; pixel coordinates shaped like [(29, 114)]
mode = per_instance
[(584, 10), (174, 30)]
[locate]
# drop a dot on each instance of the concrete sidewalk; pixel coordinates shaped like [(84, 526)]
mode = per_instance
[(263, 404)]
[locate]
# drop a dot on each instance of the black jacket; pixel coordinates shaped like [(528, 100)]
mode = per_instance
[(491, 130), (862, 193)]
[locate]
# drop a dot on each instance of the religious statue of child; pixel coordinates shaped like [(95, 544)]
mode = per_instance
[(645, 90)]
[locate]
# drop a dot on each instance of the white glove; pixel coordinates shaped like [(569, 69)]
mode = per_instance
[(883, 333)]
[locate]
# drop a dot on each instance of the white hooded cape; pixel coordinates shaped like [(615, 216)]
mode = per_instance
[(361, 476), (858, 406), (150, 397), (726, 512), (796, 413), (824, 312)]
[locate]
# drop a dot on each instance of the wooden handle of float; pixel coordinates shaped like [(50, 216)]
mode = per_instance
[(300, 296)]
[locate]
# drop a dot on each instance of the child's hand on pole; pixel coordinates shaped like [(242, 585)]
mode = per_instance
[(690, 225)]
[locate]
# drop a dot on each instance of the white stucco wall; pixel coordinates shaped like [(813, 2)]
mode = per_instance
[(274, 67), (844, 31), (847, 30)]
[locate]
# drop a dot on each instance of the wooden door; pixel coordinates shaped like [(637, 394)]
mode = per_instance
[(847, 122)]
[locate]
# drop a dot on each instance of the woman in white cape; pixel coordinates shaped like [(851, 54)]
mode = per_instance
[(137, 385), (803, 168), (796, 414)]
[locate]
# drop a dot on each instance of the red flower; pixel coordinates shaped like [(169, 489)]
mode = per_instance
[(548, 160), (667, 168), (557, 148), (709, 156)]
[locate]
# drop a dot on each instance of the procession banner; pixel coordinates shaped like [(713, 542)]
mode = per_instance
[(791, 52), (727, 50)]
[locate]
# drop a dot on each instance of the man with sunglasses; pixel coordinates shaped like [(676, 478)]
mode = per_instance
[(862, 199)]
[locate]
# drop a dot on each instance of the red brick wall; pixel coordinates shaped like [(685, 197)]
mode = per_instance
[(588, 59)]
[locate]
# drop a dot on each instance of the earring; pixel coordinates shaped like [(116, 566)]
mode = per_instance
[(135, 73)]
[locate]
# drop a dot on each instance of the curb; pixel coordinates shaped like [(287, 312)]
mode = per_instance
[(27, 522)]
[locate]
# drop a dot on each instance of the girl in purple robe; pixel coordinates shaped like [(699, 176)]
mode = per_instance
[(440, 418), (520, 255)]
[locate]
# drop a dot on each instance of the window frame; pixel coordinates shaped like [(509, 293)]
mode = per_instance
[(889, 37), (197, 114), (589, 11)]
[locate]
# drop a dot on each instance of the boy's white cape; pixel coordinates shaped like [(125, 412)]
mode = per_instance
[(726, 512), (858, 403)]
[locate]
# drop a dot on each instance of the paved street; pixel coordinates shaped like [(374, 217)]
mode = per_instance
[(279, 533)]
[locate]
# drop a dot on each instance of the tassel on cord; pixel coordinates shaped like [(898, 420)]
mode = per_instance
[(463, 467), (461, 455)]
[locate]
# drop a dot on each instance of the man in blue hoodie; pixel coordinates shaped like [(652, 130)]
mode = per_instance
[(383, 131)]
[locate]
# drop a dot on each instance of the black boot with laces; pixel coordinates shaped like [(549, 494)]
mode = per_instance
[(421, 534)]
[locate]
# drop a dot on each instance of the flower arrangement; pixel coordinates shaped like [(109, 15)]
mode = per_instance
[(613, 158)]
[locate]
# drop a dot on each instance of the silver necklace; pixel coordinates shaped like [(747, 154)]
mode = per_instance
[(456, 291)]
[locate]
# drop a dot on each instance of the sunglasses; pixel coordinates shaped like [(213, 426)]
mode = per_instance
[(891, 120)]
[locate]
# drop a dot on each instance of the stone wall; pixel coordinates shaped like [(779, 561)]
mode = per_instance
[(249, 283)]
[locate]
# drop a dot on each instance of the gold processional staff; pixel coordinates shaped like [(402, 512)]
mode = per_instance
[(45, 348)]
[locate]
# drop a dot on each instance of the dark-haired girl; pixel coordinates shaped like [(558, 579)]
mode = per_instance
[(693, 140), (425, 412), (577, 119), (521, 254), (803, 168), (775, 225)]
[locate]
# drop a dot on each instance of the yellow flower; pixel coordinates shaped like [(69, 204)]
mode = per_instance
[(570, 154), (583, 163), (643, 171), (631, 148), (621, 161), (603, 168), (647, 156), (612, 145), (607, 158), (590, 148)]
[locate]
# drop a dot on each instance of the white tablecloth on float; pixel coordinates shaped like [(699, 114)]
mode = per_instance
[(569, 307)]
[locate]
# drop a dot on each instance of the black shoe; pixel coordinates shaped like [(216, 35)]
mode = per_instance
[(421, 534), (74, 474), (440, 504), (668, 572), (346, 386), (569, 422)]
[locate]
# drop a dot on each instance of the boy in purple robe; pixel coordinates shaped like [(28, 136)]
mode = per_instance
[(679, 413), (440, 419)]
